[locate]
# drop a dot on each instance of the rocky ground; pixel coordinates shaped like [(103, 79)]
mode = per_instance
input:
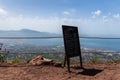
[(50, 72)]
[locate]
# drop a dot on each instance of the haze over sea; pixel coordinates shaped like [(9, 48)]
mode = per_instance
[(105, 44)]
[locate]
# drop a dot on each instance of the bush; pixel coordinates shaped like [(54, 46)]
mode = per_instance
[(2, 58), (57, 60), (115, 60), (16, 60), (94, 60)]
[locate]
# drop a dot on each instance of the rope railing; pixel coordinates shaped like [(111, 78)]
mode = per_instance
[(100, 37), (56, 52), (57, 37), (29, 37)]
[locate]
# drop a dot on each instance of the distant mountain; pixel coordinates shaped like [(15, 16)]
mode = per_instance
[(26, 33)]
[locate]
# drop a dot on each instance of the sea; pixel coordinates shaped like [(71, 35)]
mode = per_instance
[(104, 44)]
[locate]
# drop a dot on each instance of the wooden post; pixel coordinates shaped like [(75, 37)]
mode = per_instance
[(68, 64), (65, 59)]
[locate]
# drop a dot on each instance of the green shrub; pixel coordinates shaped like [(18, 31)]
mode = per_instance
[(16, 60), (57, 60), (115, 60), (2, 58), (94, 60)]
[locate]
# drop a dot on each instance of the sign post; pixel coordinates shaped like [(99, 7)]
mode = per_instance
[(72, 44)]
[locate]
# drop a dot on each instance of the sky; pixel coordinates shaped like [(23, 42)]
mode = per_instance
[(92, 17)]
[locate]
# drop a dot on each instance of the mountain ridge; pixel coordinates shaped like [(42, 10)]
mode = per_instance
[(26, 32)]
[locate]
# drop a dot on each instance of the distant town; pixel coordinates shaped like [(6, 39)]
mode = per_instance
[(56, 52)]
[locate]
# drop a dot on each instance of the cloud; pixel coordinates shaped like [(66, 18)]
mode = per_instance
[(52, 24), (116, 16), (3, 12), (96, 13), (69, 12), (35, 23), (66, 13), (105, 19), (102, 25)]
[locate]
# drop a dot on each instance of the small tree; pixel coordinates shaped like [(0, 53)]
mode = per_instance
[(2, 58)]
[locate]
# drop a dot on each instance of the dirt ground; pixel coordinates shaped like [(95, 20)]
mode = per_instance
[(48, 72)]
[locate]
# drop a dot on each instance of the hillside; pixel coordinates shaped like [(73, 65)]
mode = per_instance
[(26, 33), (47, 72)]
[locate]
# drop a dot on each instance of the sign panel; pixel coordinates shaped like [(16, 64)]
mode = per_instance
[(71, 41)]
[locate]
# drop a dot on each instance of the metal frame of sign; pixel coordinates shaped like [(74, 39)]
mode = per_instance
[(71, 44)]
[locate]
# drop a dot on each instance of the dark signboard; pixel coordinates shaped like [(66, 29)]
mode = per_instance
[(71, 40), (71, 43)]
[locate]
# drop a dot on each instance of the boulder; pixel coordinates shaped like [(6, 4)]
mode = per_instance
[(39, 60)]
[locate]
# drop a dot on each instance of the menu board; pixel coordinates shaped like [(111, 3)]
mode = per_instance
[(71, 41)]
